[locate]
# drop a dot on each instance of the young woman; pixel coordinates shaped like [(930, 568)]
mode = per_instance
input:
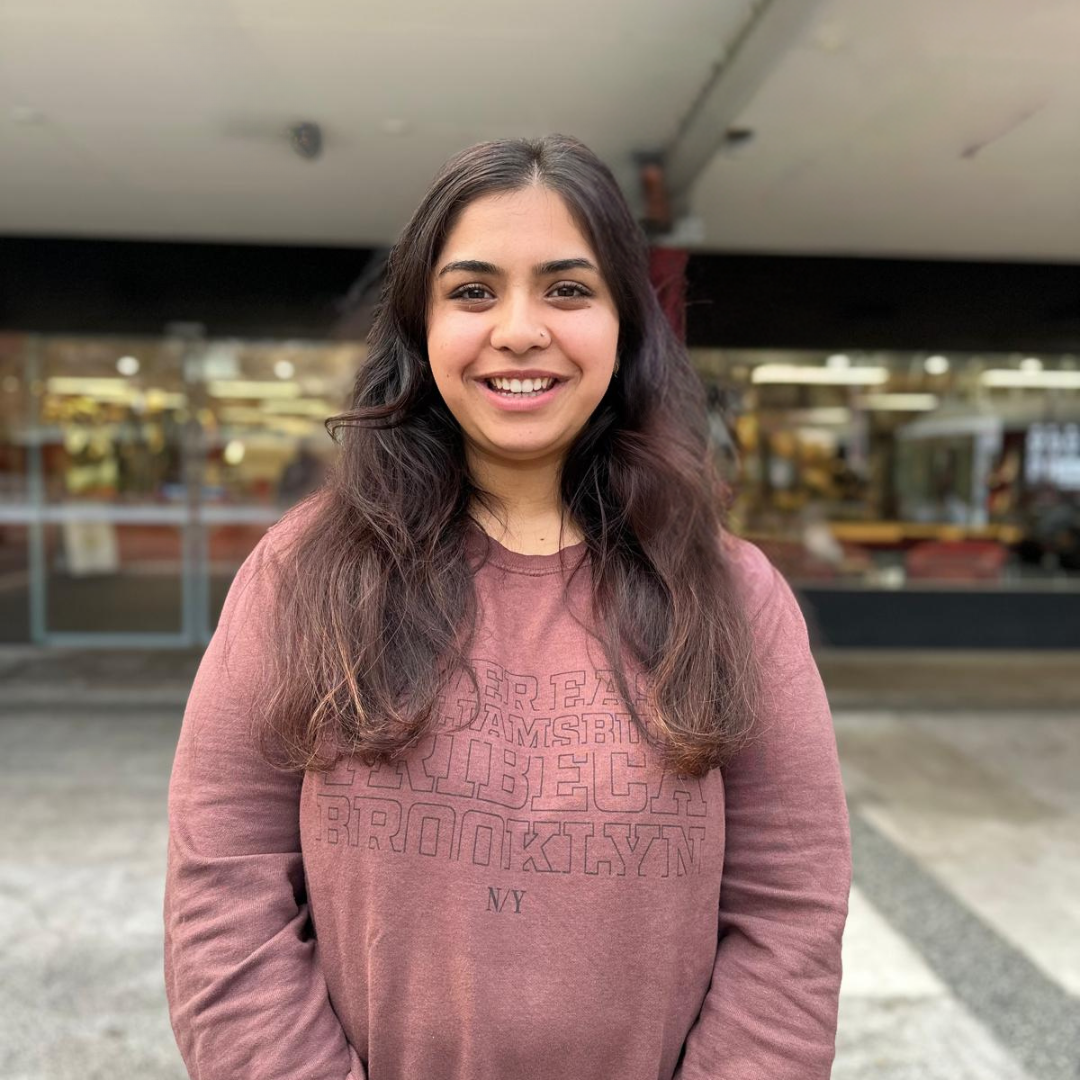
[(506, 760)]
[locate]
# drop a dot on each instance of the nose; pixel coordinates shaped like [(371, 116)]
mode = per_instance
[(519, 326)]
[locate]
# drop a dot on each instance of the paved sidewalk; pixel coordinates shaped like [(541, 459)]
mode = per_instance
[(31, 675), (961, 958), (957, 965)]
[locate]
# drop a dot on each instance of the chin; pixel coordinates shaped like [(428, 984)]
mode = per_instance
[(526, 451)]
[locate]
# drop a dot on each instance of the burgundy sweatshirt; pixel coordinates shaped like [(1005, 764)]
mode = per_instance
[(532, 897)]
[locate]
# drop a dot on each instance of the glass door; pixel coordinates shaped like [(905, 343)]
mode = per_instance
[(114, 448), (140, 472), (15, 512)]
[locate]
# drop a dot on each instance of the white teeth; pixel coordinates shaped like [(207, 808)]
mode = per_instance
[(521, 386)]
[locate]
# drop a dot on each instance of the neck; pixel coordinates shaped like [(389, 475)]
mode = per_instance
[(527, 515)]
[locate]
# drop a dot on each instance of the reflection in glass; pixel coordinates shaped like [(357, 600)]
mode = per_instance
[(137, 472), (890, 467), (262, 417), (110, 420), (113, 578), (14, 582)]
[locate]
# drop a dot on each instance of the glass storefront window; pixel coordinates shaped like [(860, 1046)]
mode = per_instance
[(136, 474), (110, 416), (107, 576), (14, 419), (14, 493), (14, 581), (893, 468), (262, 407)]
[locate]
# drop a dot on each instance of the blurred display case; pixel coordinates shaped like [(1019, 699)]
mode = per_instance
[(895, 470), (136, 474)]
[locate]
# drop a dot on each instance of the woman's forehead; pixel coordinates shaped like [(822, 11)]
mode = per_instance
[(532, 225)]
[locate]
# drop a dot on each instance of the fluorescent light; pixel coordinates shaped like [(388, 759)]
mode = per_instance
[(819, 376), (109, 389), (899, 402), (1045, 380), (104, 389), (936, 365), (162, 399), (233, 452), (252, 388), (838, 360), (301, 407), (825, 417), (242, 414), (1032, 363)]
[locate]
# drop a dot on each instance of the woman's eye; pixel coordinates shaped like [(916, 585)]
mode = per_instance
[(565, 290), (470, 292), (570, 290)]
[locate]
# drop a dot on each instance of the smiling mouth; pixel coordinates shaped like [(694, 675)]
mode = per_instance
[(520, 387)]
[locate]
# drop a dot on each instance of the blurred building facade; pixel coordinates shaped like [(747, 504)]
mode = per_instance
[(912, 466)]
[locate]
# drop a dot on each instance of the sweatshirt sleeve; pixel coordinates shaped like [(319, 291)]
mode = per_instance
[(247, 997), (770, 1011)]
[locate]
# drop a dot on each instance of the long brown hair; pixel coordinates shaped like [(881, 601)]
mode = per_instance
[(384, 610)]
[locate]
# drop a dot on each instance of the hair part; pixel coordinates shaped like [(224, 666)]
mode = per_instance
[(384, 612)]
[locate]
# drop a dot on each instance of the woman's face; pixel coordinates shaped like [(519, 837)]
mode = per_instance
[(522, 330)]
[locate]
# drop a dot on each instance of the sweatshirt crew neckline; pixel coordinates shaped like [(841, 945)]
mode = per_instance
[(516, 562)]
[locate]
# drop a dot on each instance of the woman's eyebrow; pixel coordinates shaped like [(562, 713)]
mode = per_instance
[(556, 266), (560, 266), (471, 266)]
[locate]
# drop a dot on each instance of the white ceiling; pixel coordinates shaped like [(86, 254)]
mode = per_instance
[(912, 127), (922, 127)]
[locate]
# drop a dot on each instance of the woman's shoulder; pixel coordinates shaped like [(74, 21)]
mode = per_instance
[(757, 581), (274, 556), (776, 618), (296, 523)]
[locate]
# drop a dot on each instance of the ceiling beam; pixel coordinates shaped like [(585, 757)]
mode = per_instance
[(769, 33)]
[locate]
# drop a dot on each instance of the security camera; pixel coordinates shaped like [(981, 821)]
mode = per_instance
[(306, 139)]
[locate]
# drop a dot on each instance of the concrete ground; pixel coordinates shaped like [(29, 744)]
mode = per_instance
[(962, 956)]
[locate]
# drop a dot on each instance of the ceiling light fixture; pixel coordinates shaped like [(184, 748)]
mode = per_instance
[(899, 402), (251, 388), (233, 452), (794, 374), (736, 140), (1041, 380)]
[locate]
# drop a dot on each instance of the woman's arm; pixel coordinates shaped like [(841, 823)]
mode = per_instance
[(246, 992), (770, 1012)]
